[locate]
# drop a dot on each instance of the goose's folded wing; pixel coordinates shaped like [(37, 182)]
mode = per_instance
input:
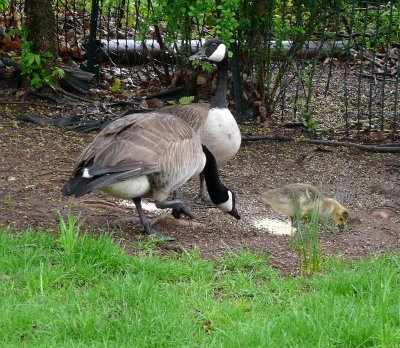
[(131, 146), (123, 142)]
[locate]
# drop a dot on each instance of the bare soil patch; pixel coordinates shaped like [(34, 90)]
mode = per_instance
[(36, 161)]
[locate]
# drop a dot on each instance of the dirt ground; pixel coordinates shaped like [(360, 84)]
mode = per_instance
[(36, 161)]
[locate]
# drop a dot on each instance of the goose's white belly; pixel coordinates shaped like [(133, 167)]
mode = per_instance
[(128, 189), (220, 134)]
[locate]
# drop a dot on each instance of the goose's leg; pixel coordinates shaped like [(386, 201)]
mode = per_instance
[(145, 221), (292, 224), (178, 208), (200, 200), (203, 196)]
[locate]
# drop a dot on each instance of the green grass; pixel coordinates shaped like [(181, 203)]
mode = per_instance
[(103, 297), (305, 241), (6, 200)]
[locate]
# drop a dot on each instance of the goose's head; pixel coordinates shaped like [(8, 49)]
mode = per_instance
[(340, 215), (228, 205), (213, 50)]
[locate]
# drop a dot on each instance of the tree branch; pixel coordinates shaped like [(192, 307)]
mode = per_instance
[(389, 148)]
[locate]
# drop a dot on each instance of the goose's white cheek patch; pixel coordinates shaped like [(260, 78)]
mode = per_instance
[(219, 54), (227, 206)]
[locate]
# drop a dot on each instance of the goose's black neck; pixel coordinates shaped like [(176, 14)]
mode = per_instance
[(217, 191), (219, 99)]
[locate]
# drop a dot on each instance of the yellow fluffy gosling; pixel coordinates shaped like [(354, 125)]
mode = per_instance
[(304, 199)]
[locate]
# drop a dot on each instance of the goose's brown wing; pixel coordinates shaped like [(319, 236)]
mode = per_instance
[(131, 146), (133, 139)]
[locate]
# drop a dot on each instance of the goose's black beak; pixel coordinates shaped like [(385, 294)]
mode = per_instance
[(201, 54), (341, 227), (234, 213)]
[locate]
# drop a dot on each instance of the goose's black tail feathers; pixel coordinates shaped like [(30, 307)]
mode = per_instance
[(76, 186)]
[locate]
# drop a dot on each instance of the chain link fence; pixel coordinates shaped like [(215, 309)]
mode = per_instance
[(332, 66)]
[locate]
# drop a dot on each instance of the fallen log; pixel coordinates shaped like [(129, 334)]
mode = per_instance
[(81, 75), (135, 52), (76, 82), (314, 48)]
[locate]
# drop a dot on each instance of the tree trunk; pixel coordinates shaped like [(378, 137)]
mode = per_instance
[(260, 11), (41, 24)]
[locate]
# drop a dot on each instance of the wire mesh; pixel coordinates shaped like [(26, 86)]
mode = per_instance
[(324, 63)]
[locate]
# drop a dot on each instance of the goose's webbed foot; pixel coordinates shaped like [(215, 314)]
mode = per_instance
[(148, 229), (178, 208), (203, 199)]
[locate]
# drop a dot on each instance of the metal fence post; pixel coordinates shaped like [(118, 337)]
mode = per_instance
[(90, 66), (237, 83)]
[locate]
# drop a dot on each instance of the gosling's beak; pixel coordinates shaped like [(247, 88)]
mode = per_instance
[(234, 213), (201, 54), (341, 227)]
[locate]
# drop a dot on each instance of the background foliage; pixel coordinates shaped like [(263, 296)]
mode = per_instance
[(269, 42)]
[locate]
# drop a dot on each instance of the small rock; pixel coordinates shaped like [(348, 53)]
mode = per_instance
[(382, 213), (380, 188)]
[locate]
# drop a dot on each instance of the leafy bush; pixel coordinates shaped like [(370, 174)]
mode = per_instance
[(35, 66), (4, 4)]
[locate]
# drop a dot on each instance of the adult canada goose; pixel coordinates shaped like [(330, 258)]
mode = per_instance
[(302, 199), (147, 155), (217, 127)]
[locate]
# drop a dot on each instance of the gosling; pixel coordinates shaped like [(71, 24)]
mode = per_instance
[(302, 199)]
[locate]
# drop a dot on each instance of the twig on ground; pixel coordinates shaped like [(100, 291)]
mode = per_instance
[(75, 96), (35, 104), (373, 148)]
